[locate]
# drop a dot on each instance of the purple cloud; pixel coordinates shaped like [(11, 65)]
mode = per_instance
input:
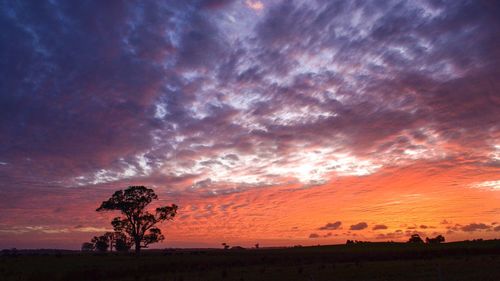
[(331, 226), (314, 236), (475, 227), (379, 227), (359, 226)]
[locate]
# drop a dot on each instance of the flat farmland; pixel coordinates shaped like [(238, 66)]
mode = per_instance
[(366, 261)]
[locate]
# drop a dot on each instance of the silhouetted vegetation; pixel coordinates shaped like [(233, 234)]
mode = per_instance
[(436, 240), (415, 238), (101, 243), (87, 247), (462, 261), (122, 242), (137, 225), (107, 242)]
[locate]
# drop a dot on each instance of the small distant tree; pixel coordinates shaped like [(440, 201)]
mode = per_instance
[(87, 247), (440, 238), (111, 240), (257, 246), (122, 242), (136, 222), (101, 243), (436, 240), (415, 238), (226, 246), (9, 252)]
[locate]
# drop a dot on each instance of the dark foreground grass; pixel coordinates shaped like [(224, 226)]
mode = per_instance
[(377, 261)]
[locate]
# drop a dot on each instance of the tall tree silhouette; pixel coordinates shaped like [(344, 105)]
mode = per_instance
[(136, 222)]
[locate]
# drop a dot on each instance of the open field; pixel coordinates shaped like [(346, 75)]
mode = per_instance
[(371, 261)]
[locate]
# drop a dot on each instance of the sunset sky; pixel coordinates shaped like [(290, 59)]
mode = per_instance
[(271, 122)]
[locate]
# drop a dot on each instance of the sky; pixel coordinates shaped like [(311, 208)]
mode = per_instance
[(271, 122)]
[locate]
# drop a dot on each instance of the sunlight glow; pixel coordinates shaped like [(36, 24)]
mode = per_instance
[(491, 185)]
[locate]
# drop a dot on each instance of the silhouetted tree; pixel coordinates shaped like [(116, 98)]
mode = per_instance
[(225, 245), (101, 243), (257, 246), (87, 247), (136, 222), (111, 240), (108, 240), (436, 240), (415, 238), (122, 242)]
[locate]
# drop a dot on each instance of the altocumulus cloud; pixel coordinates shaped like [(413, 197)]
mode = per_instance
[(379, 227), (359, 226), (475, 227), (314, 236), (171, 92), (331, 226)]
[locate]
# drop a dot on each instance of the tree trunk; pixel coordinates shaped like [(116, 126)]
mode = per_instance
[(137, 247)]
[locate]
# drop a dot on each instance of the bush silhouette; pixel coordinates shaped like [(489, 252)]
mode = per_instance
[(87, 247), (436, 240), (415, 238), (101, 243)]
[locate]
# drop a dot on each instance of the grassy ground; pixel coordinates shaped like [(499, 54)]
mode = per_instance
[(452, 261)]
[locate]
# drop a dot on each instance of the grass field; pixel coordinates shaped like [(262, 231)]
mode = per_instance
[(370, 261)]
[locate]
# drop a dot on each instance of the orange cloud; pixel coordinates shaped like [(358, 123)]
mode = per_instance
[(421, 194), (254, 5)]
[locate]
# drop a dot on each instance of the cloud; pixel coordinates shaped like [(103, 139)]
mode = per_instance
[(82, 228), (475, 227), (359, 226), (215, 4), (379, 227), (314, 236), (331, 226), (396, 235), (254, 5), (493, 185), (320, 96)]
